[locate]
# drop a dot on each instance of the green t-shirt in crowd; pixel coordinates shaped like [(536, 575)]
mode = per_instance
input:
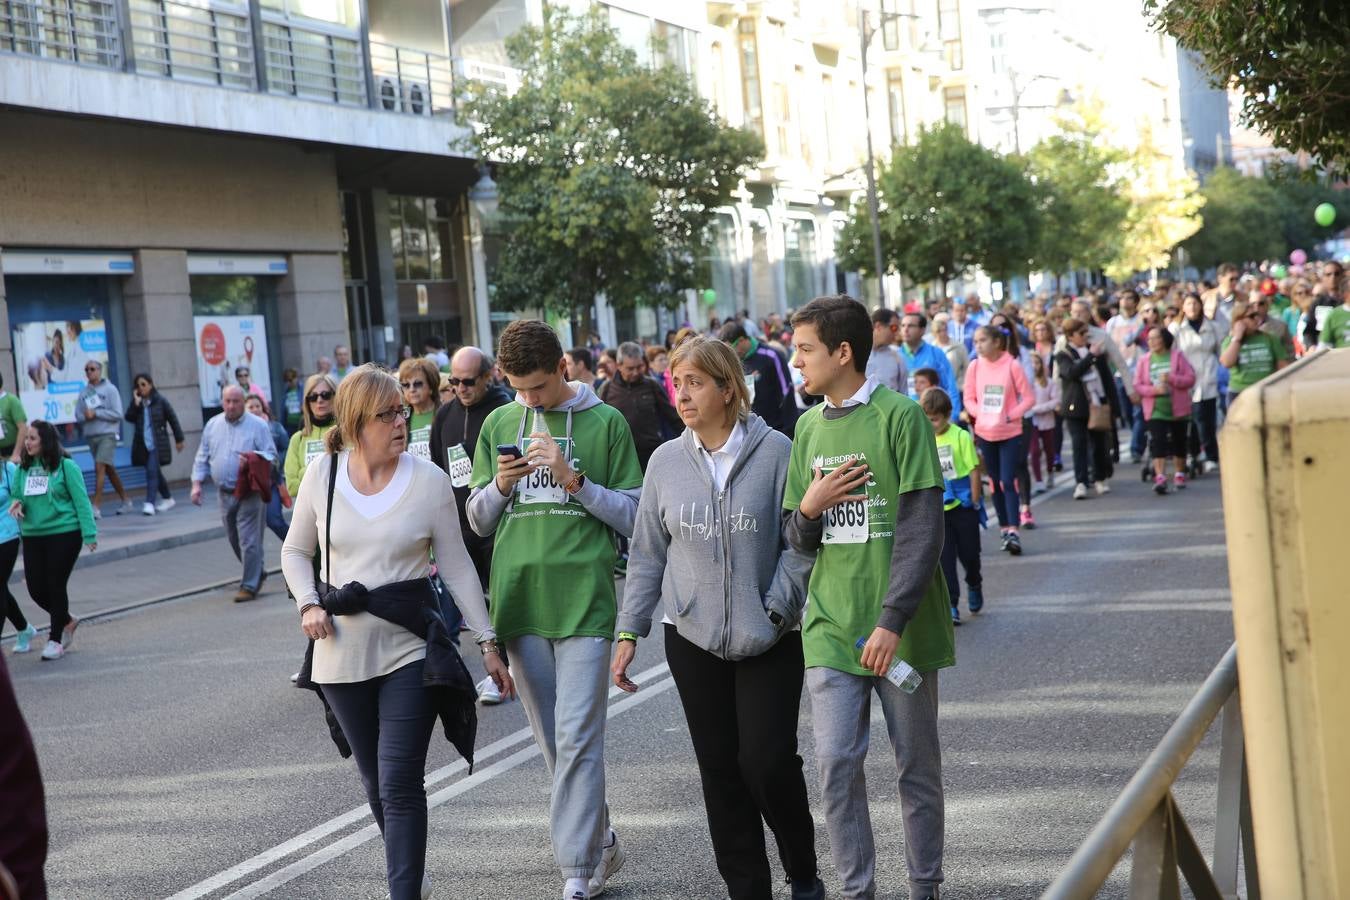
[(419, 434), (12, 417), (1256, 360), (1336, 328), (958, 458), (1160, 364), (552, 561), (54, 502), (853, 569), (300, 452)]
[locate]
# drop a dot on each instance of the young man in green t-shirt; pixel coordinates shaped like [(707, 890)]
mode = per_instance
[(1336, 329), (864, 488), (568, 482)]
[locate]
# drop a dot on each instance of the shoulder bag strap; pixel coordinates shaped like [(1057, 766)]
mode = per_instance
[(328, 522)]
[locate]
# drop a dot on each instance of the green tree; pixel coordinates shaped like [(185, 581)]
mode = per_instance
[(1300, 192), (1242, 221), (1288, 57), (947, 205), (608, 170), (1164, 209)]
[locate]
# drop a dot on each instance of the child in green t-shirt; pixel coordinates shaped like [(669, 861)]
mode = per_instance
[(569, 481), (864, 488), (962, 504)]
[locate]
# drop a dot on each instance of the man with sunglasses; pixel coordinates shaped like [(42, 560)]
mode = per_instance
[(99, 410), (454, 435)]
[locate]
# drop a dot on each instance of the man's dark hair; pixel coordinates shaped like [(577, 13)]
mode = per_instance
[(883, 316), (839, 319), (52, 451), (611, 353), (731, 332), (923, 320), (1228, 269), (1130, 292), (582, 357), (435, 342), (935, 402), (930, 374), (527, 346)]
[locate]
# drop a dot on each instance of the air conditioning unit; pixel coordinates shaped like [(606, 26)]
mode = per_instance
[(417, 98), (389, 93)]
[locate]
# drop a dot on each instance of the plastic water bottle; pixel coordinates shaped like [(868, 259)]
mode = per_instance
[(540, 425), (902, 674)]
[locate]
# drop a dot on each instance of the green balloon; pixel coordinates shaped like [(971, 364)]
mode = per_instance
[(1278, 271), (709, 296), (1325, 214)]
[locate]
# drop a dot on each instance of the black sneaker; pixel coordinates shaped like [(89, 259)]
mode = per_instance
[(956, 616), (1005, 542), (1014, 544), (808, 890), (974, 600)]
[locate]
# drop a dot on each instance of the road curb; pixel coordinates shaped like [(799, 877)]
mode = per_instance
[(140, 548)]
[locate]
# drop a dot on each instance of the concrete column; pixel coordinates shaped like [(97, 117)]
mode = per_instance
[(482, 307), (6, 342), (161, 341), (381, 280), (311, 309)]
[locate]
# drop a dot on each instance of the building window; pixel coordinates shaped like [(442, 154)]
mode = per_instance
[(420, 237), (895, 103), (998, 57), (719, 81), (890, 25), (754, 113), (635, 32), (804, 129), (827, 99), (676, 46), (954, 100), (333, 12), (949, 20), (799, 261), (952, 53)]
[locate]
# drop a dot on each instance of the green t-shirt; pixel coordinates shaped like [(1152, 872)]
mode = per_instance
[(853, 569), (12, 417), (300, 452), (1160, 364), (1336, 328), (1256, 359), (552, 561), (419, 434), (958, 458)]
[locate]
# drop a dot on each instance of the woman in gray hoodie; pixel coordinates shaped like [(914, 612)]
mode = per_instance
[(708, 541)]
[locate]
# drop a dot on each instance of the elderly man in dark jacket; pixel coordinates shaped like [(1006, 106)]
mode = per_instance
[(643, 402)]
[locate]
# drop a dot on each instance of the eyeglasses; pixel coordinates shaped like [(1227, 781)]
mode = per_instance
[(411, 385), (398, 412), (319, 395), (467, 382)]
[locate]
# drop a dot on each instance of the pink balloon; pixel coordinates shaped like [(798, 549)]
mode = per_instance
[(1298, 257)]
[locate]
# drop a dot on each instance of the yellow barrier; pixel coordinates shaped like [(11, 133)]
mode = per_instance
[(1285, 454)]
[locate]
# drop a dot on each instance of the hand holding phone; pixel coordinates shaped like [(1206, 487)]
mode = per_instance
[(511, 467)]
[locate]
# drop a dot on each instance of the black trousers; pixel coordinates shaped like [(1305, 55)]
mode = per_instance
[(1091, 455), (962, 542), (48, 560), (9, 554), (743, 723), (1204, 430)]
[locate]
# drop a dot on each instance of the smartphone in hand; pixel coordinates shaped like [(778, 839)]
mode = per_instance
[(510, 450)]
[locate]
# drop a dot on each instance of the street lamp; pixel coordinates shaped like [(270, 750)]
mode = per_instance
[(1065, 99)]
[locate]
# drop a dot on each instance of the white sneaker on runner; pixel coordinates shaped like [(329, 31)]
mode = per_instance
[(488, 695), (53, 650), (162, 505), (1103, 488), (1210, 466), (611, 861), (147, 509), (1080, 492)]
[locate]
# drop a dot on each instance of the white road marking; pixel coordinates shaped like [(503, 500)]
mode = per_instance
[(649, 678)]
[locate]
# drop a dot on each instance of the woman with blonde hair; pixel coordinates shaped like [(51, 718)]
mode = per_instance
[(420, 380), (380, 656), (316, 414), (712, 505)]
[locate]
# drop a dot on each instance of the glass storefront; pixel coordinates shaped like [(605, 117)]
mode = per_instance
[(422, 234), (235, 325), (800, 261)]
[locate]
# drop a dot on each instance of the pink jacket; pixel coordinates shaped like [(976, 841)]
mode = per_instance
[(1047, 404), (1182, 379), (996, 396)]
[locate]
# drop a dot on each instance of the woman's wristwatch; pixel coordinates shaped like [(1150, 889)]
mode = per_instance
[(489, 646)]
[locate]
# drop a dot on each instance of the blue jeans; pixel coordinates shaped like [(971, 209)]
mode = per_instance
[(154, 477), (275, 520), (1001, 459), (1134, 414), (388, 722)]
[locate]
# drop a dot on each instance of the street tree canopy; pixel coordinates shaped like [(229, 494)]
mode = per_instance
[(1288, 57), (948, 205), (608, 170)]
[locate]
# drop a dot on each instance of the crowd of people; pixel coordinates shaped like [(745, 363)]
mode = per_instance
[(794, 495)]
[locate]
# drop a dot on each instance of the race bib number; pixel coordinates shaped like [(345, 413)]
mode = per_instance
[(293, 403), (2, 429), (539, 486), (93, 401), (313, 450), (35, 485), (419, 442), (991, 401), (848, 523), (459, 465), (750, 384), (946, 456)]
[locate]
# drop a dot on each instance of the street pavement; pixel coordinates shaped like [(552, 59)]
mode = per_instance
[(180, 761)]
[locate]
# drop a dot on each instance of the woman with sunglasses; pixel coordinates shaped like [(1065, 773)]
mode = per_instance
[(420, 381), (307, 444), (1249, 352), (151, 416)]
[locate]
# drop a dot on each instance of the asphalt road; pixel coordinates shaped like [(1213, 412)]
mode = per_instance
[(180, 761)]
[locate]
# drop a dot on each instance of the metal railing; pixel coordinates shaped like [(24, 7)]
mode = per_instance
[(84, 32), (1146, 814), (313, 63), (411, 81), (193, 42)]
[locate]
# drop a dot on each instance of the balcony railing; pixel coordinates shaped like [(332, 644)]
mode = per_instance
[(317, 65), (84, 32), (193, 42), (411, 81)]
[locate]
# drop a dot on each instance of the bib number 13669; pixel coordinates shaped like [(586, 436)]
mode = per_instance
[(848, 522)]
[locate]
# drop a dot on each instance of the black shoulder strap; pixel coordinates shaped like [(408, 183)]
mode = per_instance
[(328, 522)]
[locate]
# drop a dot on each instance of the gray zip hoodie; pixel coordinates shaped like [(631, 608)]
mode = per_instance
[(613, 507), (106, 402), (717, 558)]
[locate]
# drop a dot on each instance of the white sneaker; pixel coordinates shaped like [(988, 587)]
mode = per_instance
[(611, 861), (1049, 481), (147, 509), (1080, 492), (574, 889), (1103, 488), (488, 694), (127, 507), (53, 650), (1211, 467), (162, 505), (98, 514), (1038, 487)]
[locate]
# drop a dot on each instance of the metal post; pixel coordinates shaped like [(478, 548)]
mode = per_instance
[(872, 205), (1154, 873), (255, 22), (1227, 818)]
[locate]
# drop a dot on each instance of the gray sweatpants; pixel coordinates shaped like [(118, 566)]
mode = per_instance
[(841, 711), (243, 521), (563, 684)]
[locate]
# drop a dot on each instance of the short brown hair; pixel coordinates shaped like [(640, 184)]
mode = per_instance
[(1074, 326), (839, 319), (364, 392), (935, 402), (528, 345), (656, 350), (719, 362), (420, 365)]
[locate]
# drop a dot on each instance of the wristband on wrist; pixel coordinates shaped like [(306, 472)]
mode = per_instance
[(489, 646), (628, 636), (574, 486), (308, 606)]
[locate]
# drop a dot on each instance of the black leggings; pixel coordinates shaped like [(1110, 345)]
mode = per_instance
[(48, 560), (9, 554)]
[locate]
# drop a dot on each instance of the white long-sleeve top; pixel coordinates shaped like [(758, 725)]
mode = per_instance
[(378, 539)]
